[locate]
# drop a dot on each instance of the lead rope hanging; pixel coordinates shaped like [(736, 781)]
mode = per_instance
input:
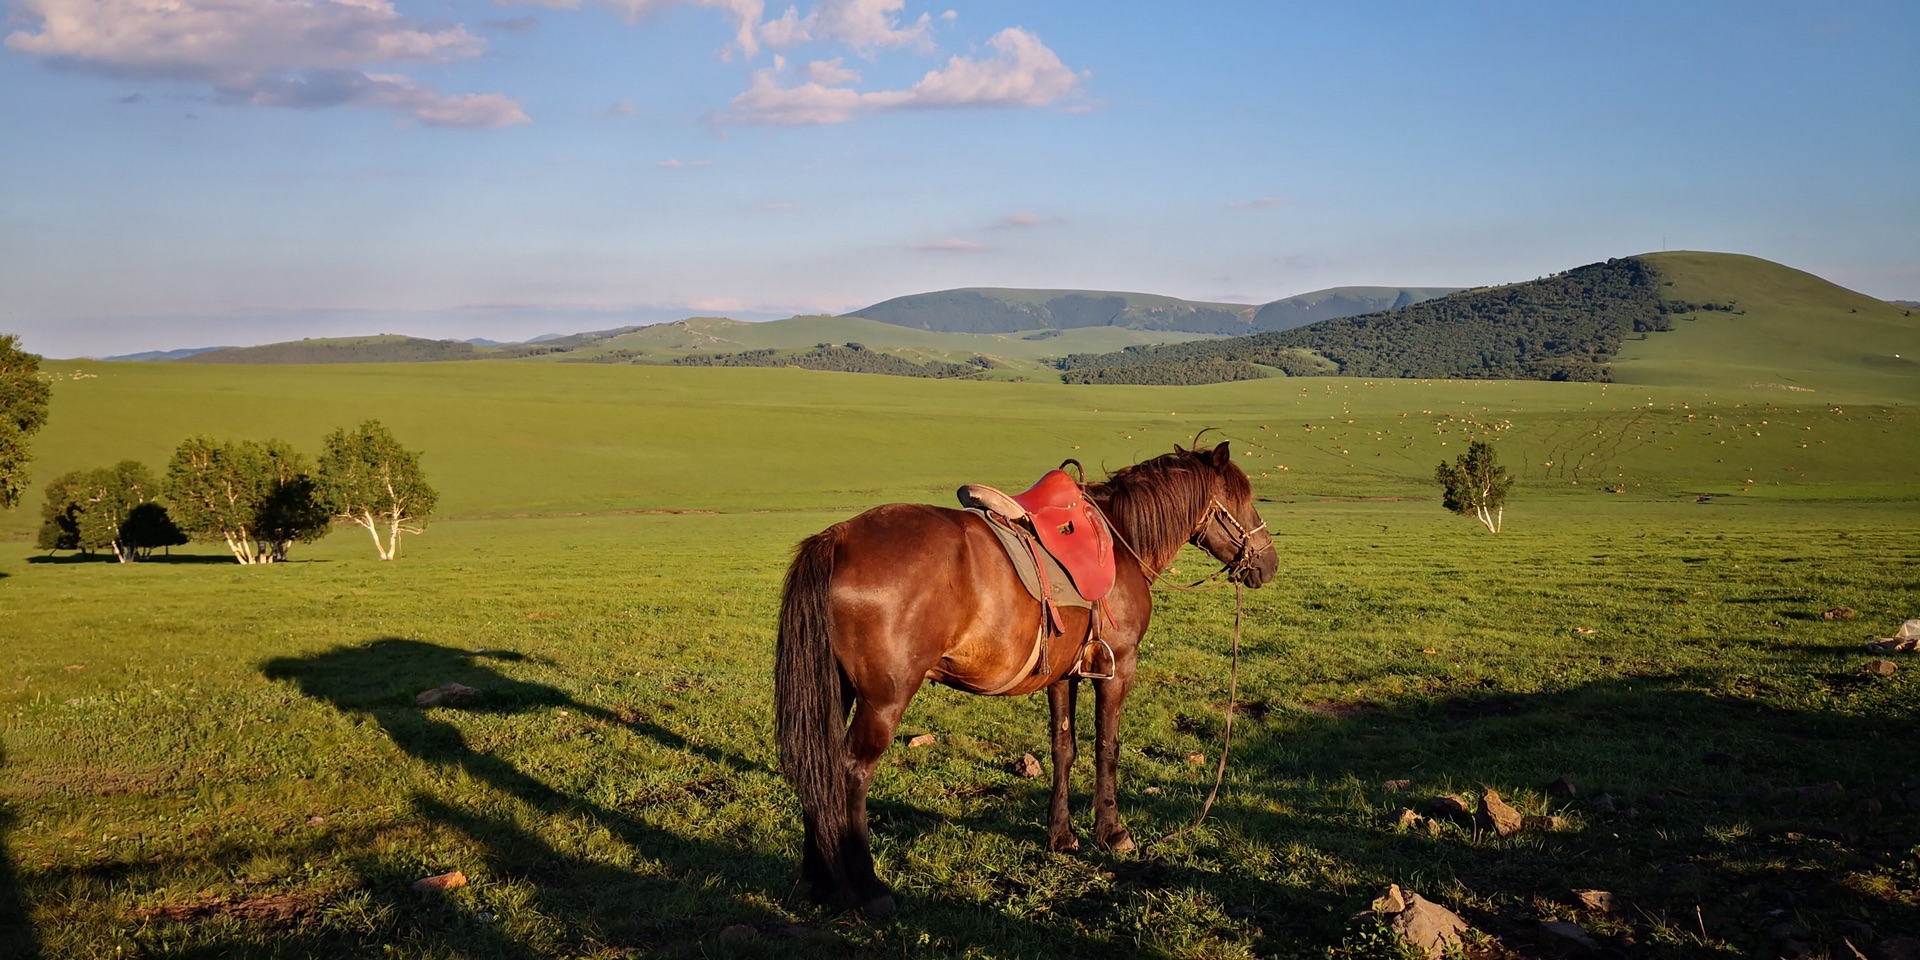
[(1226, 739)]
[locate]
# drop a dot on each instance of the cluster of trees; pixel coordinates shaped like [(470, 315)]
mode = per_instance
[(840, 358), (1173, 373), (23, 409), (259, 498), (1564, 327)]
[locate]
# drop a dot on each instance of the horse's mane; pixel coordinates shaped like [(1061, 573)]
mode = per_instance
[(1155, 503)]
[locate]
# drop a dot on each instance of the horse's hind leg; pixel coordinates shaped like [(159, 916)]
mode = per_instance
[(813, 865), (1108, 697), (1061, 696), (874, 724)]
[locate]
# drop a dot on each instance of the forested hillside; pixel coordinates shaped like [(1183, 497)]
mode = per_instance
[(1564, 327)]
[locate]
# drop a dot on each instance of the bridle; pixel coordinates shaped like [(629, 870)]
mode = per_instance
[(1237, 534)]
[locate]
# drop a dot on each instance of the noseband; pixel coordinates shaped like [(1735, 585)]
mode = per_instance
[(1241, 537)]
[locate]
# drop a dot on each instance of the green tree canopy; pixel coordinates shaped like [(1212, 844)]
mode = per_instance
[(23, 408), (259, 498), (367, 477), (1475, 485), (113, 508)]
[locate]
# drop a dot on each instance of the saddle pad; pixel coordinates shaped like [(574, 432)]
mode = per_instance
[(1072, 531), (1064, 594)]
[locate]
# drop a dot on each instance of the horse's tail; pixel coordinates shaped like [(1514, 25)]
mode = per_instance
[(812, 721)]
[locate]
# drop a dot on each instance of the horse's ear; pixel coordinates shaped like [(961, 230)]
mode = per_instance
[(1177, 449), (1221, 456)]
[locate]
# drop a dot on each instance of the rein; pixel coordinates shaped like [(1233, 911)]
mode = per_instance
[(1242, 559)]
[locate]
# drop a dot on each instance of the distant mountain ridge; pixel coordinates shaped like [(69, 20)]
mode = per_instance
[(1006, 310)]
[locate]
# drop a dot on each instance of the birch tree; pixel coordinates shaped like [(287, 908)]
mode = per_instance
[(113, 508), (1475, 486), (368, 478), (23, 409), (258, 498)]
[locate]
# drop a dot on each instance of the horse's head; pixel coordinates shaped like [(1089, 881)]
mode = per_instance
[(1231, 529)]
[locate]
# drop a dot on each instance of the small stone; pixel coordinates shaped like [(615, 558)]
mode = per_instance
[(1429, 926), (1841, 613), (1604, 804), (1794, 950), (1882, 668), (1543, 824), (1895, 948), (1716, 758), (446, 693), (1788, 931), (1496, 815), (316, 821), (1567, 938), (923, 740), (1818, 792), (1397, 786), (1406, 819), (1196, 759), (1449, 805), (1655, 802), (1153, 789), (1393, 900), (1868, 807), (1599, 901), (1562, 787), (739, 932), (1027, 767), (439, 884)]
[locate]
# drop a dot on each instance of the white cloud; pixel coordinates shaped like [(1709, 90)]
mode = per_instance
[(949, 245), (1021, 220), (860, 24), (621, 108), (285, 53), (831, 73), (1022, 73), (746, 14)]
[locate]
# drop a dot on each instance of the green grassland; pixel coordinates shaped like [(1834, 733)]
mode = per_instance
[(1790, 332), (200, 759)]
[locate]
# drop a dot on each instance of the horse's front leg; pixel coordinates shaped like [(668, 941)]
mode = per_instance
[(1061, 696), (1108, 697)]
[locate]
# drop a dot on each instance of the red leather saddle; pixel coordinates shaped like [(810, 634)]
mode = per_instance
[(1072, 530)]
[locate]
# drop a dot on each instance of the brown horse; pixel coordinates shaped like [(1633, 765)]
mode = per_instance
[(906, 593)]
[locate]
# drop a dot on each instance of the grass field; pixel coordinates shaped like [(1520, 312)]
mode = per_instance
[(201, 759)]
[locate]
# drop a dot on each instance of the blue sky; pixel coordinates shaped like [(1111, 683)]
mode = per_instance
[(190, 172)]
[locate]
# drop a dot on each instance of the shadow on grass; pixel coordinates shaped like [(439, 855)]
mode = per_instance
[(164, 559), (704, 885), (1723, 822), (17, 936)]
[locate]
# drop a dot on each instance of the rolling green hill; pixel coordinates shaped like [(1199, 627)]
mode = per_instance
[(1012, 354), (1674, 319), (1788, 331), (1339, 302), (386, 348), (1001, 310)]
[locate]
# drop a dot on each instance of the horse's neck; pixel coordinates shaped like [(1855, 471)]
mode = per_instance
[(1157, 545)]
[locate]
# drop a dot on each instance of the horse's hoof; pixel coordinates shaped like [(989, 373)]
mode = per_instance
[(1121, 844), (1065, 843), (880, 907)]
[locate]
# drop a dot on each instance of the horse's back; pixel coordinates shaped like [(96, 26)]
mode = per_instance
[(915, 585)]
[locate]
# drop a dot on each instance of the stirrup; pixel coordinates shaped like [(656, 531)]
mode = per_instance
[(1086, 667)]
